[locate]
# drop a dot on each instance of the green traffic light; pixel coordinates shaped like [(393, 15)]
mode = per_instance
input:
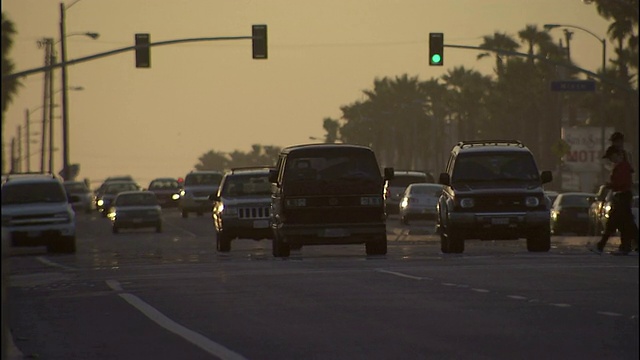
[(436, 58)]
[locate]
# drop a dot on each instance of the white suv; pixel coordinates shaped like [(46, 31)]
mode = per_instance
[(36, 212)]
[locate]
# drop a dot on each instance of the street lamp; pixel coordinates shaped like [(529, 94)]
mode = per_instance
[(603, 41), (65, 97)]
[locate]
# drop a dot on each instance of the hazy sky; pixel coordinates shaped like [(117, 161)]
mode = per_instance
[(212, 95)]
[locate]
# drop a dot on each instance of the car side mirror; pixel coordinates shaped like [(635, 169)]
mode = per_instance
[(444, 179), (273, 176), (546, 177), (389, 173)]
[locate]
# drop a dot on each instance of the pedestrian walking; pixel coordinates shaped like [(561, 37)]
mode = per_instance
[(620, 215), (617, 141)]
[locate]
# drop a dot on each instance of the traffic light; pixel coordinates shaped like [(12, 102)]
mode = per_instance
[(143, 51), (259, 40), (436, 47)]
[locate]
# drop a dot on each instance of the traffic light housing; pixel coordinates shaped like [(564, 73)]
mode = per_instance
[(259, 41), (143, 51), (436, 49)]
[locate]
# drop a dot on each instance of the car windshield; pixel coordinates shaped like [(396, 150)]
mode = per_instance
[(575, 200), (434, 190), (112, 189), (203, 179), (331, 166), (48, 192), (494, 166), (246, 185), (136, 200), (167, 184)]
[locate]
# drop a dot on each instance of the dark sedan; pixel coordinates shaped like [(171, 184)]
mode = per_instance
[(167, 191), (135, 209), (570, 213)]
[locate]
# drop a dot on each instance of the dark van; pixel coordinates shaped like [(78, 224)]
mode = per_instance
[(328, 194)]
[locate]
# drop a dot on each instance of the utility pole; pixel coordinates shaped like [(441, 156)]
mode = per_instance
[(52, 60), (18, 164), (27, 121), (47, 43)]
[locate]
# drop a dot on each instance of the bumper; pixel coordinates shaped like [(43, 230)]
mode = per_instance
[(419, 213), (40, 235), (245, 228), (328, 234), (136, 223), (498, 225)]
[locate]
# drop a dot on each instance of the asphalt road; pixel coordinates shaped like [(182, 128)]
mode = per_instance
[(142, 295)]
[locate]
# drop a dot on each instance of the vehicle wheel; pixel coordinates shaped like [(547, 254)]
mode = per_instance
[(223, 242), (539, 241), (115, 229), (185, 214), (451, 243), (377, 247), (280, 249)]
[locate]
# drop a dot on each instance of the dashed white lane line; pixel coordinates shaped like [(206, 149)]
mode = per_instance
[(480, 290), (607, 313), (561, 305), (54, 264), (193, 337), (402, 275), (517, 297)]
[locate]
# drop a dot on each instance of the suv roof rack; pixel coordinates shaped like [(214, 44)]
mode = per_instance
[(471, 143), (257, 167)]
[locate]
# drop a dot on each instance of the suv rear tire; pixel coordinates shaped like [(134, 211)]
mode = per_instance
[(279, 247), (451, 243), (539, 241), (377, 247)]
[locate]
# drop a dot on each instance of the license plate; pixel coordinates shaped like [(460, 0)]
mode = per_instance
[(499, 221), (335, 233), (260, 224)]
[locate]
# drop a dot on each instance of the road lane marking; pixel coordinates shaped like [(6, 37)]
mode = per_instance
[(480, 290), (517, 297), (54, 264), (191, 336), (561, 305), (608, 313), (401, 275)]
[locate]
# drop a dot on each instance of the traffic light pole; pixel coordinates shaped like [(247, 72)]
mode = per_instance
[(117, 51)]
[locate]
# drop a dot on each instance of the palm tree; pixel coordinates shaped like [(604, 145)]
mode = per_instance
[(499, 41), (9, 87), (532, 37)]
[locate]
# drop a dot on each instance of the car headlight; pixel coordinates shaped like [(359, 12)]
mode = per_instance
[(296, 202), (404, 203), (182, 193), (467, 203), (370, 201), (531, 201), (100, 202), (175, 196)]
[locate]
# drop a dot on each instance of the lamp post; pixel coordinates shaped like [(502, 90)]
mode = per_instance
[(65, 97), (603, 41)]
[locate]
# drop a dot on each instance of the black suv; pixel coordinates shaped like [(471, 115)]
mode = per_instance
[(242, 205), (328, 194), (493, 191)]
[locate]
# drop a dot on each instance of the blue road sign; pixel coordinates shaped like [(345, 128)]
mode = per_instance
[(573, 85)]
